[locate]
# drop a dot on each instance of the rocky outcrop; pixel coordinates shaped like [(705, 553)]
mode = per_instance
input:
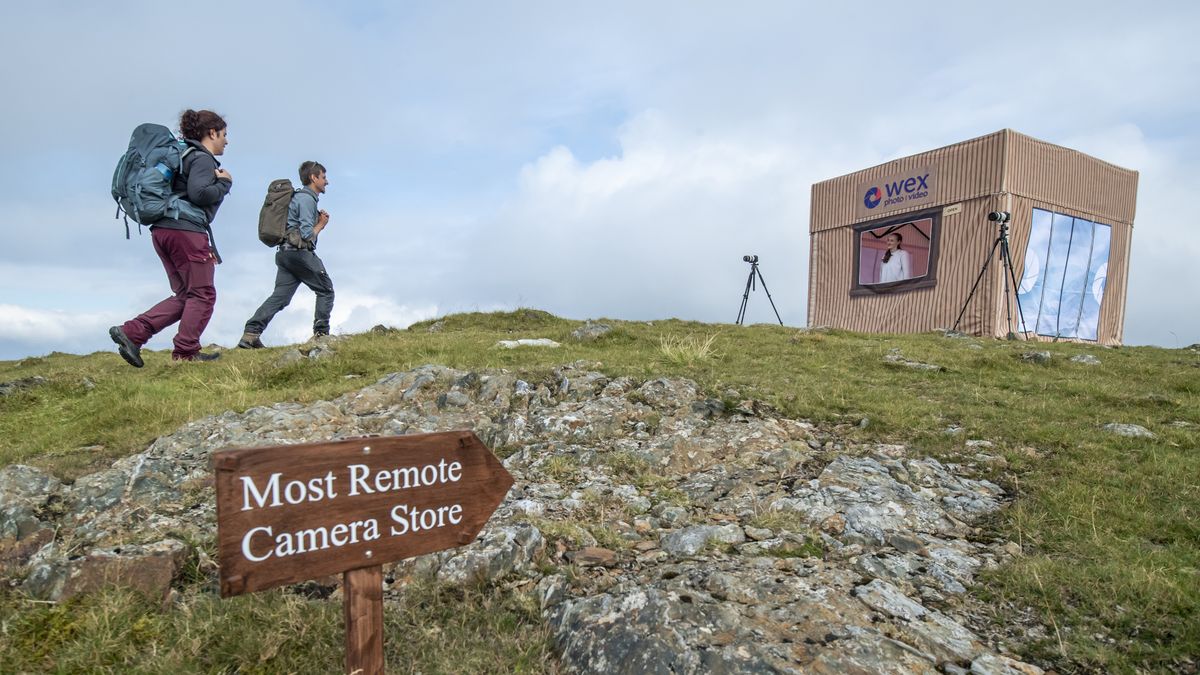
[(591, 331), (661, 530), (23, 384)]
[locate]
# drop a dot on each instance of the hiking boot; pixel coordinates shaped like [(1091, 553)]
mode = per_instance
[(250, 341), (125, 347), (199, 356)]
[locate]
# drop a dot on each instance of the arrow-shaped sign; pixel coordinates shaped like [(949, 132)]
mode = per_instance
[(290, 513), (296, 512)]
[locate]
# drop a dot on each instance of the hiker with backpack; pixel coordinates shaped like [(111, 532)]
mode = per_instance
[(191, 186), (295, 234)]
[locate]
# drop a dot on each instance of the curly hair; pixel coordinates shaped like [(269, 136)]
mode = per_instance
[(196, 124)]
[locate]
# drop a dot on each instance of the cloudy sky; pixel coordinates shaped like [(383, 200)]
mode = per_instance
[(608, 159)]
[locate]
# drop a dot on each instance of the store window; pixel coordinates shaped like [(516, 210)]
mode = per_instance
[(898, 254), (1062, 283)]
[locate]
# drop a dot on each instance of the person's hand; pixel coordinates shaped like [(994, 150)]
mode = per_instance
[(222, 173), (322, 217)]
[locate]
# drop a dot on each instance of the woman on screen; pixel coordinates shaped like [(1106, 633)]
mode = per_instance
[(897, 263)]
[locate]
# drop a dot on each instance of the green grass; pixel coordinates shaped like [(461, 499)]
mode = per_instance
[(477, 629), (1110, 527)]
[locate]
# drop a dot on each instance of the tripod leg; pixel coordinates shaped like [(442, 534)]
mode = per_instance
[(1006, 255), (1009, 334), (979, 278), (772, 301), (745, 298)]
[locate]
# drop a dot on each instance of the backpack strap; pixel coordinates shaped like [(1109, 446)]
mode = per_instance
[(183, 158), (212, 240)]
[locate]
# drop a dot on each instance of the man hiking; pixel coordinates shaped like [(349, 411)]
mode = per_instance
[(296, 260)]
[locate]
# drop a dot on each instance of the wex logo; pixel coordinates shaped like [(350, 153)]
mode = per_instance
[(872, 198), (915, 187)]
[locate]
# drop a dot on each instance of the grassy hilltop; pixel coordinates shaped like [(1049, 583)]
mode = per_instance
[(1109, 525)]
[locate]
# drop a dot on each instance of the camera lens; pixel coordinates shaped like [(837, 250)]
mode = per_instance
[(998, 216), (750, 258)]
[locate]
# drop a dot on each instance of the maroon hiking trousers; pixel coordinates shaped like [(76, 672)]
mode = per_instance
[(189, 264)]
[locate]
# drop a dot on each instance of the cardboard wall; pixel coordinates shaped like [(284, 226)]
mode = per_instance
[(1004, 171)]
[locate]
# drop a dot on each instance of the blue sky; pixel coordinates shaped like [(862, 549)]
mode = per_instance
[(611, 159)]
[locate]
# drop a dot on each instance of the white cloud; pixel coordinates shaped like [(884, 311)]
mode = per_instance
[(28, 331), (656, 232), (613, 159)]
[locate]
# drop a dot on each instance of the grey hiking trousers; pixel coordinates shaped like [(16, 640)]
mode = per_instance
[(296, 267)]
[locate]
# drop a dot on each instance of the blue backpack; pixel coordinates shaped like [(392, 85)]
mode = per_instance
[(142, 181)]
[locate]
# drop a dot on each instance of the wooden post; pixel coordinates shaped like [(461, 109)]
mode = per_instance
[(362, 590)]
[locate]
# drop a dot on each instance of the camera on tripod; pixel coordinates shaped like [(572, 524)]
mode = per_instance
[(1008, 273), (750, 258)]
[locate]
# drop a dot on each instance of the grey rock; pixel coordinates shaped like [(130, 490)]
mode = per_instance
[(289, 357), (148, 569), (758, 533), (1036, 357), (930, 631), (727, 534), (871, 654), (668, 394), (28, 484), (884, 597), (535, 342), (551, 590), (671, 516), (499, 552), (878, 498), (27, 495), (1085, 359), (1129, 430), (24, 384), (902, 541), (631, 634), (453, 399), (529, 507), (995, 664), (591, 331), (688, 541), (97, 492), (895, 358), (321, 351)]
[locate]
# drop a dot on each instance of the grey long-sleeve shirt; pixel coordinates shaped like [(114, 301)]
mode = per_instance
[(302, 214)]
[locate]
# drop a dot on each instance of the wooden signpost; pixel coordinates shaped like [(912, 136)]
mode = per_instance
[(290, 513)]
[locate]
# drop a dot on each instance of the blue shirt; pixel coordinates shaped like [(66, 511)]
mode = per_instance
[(302, 214)]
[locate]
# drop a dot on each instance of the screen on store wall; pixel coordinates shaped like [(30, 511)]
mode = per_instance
[(1062, 284), (894, 252)]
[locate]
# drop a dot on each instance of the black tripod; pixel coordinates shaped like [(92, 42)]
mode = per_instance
[(1000, 217), (753, 260)]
